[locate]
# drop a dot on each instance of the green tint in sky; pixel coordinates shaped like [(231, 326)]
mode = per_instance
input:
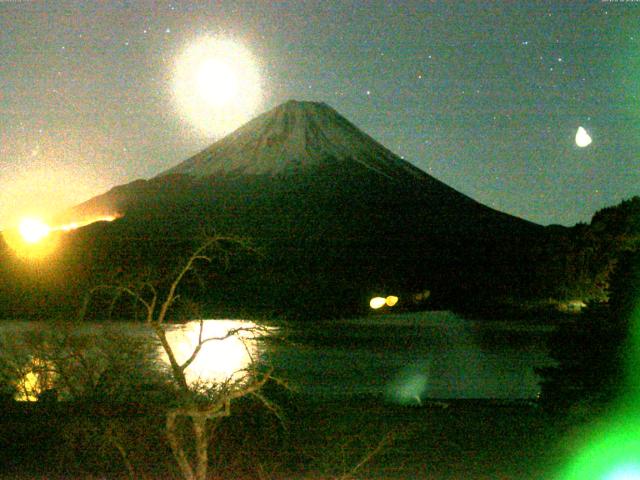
[(486, 96)]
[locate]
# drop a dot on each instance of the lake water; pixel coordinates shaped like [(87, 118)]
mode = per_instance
[(413, 356), (405, 357)]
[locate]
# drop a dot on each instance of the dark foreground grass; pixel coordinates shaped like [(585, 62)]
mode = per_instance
[(363, 438), (455, 440)]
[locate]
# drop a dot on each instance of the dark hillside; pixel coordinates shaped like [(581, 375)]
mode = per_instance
[(335, 216)]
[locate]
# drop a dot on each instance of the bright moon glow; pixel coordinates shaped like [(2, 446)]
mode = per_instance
[(582, 138), (33, 230), (219, 360), (217, 85)]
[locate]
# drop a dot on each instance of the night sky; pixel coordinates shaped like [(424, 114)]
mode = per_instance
[(485, 96)]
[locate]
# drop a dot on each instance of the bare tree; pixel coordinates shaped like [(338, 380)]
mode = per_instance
[(51, 361), (197, 406)]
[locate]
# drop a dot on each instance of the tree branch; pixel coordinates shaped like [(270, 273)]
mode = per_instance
[(176, 447), (121, 289), (231, 333), (367, 457), (171, 295)]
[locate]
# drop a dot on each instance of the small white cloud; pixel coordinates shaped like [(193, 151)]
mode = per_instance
[(582, 138)]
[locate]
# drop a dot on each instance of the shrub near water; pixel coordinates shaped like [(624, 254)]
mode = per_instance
[(104, 410)]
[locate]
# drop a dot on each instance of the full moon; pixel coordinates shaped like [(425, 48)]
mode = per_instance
[(217, 86)]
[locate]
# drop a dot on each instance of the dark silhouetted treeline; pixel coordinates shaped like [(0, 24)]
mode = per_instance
[(322, 249), (596, 351)]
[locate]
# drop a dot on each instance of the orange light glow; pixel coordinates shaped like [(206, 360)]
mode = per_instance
[(33, 230), (38, 377), (391, 300), (34, 238), (74, 225), (69, 226), (377, 302)]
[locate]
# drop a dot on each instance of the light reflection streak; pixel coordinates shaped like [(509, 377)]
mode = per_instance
[(225, 361), (219, 361)]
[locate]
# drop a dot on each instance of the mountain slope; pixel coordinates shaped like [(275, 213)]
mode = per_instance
[(292, 138), (296, 148), (332, 211)]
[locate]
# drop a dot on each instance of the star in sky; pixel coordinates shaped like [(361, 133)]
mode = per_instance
[(500, 90)]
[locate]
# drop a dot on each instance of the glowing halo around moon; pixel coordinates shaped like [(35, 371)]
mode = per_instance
[(217, 85)]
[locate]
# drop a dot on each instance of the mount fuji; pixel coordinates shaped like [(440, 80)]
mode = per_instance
[(338, 217), (293, 138)]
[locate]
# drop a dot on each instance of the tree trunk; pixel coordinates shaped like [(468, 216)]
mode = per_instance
[(123, 452), (176, 370), (176, 447), (202, 445), (197, 471)]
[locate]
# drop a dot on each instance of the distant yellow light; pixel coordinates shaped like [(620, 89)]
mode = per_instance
[(33, 230), (28, 388), (37, 378), (377, 302), (391, 300)]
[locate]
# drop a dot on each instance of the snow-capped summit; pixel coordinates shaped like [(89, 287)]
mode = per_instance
[(290, 138), (336, 215)]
